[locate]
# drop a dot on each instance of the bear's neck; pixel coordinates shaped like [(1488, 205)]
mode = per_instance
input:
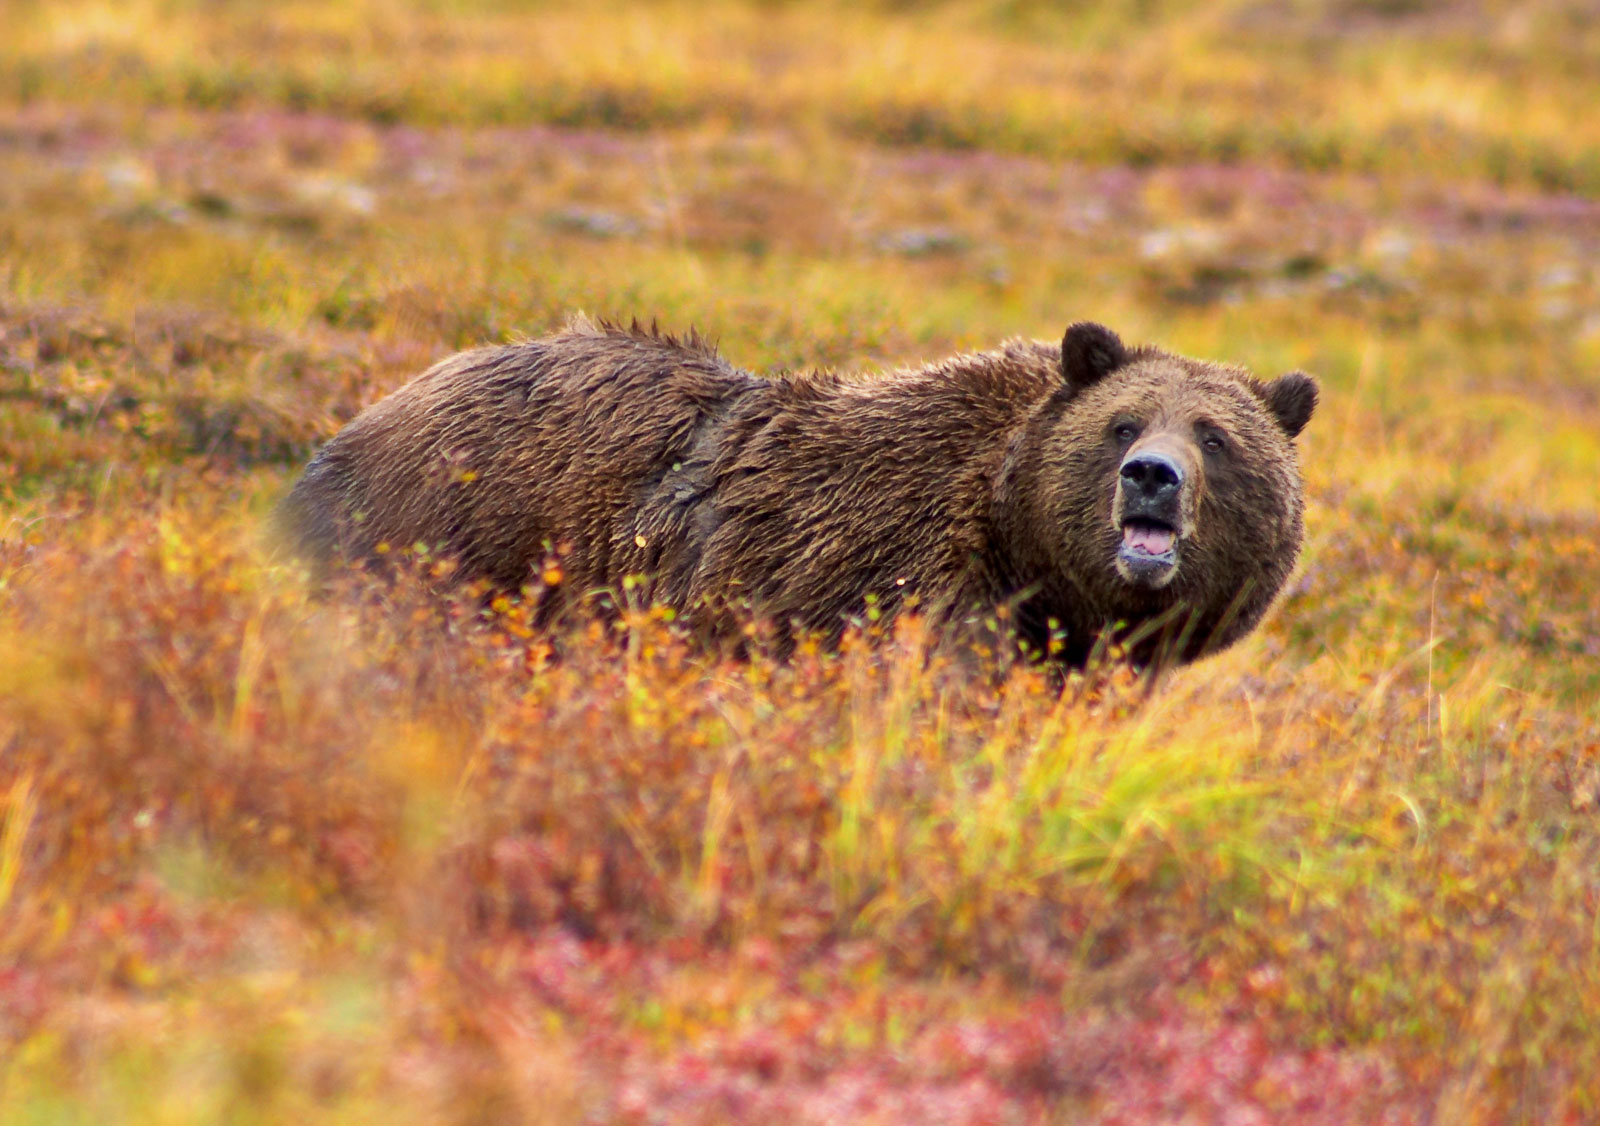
[(1047, 606)]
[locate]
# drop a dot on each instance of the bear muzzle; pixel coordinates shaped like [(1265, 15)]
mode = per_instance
[(1150, 513)]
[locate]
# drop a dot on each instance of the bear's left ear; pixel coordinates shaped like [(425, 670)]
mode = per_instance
[(1090, 352), (1291, 398)]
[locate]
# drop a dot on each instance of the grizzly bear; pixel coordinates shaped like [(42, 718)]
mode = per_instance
[(1079, 493)]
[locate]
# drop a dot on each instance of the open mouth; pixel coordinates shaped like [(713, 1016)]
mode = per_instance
[(1142, 536), (1149, 551)]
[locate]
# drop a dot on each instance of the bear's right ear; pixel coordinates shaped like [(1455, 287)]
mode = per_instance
[(1089, 353)]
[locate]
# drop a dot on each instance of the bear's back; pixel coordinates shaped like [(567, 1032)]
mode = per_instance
[(498, 455)]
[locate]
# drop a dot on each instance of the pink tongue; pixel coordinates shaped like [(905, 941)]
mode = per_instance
[(1150, 540)]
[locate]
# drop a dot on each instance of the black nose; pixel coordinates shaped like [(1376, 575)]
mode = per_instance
[(1152, 477)]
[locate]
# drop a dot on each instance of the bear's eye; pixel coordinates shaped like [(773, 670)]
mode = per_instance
[(1126, 432), (1214, 443)]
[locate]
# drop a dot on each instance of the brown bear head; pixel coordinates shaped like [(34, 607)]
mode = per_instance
[(1159, 492)]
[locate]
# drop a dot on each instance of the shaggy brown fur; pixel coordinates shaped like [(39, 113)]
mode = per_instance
[(984, 481)]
